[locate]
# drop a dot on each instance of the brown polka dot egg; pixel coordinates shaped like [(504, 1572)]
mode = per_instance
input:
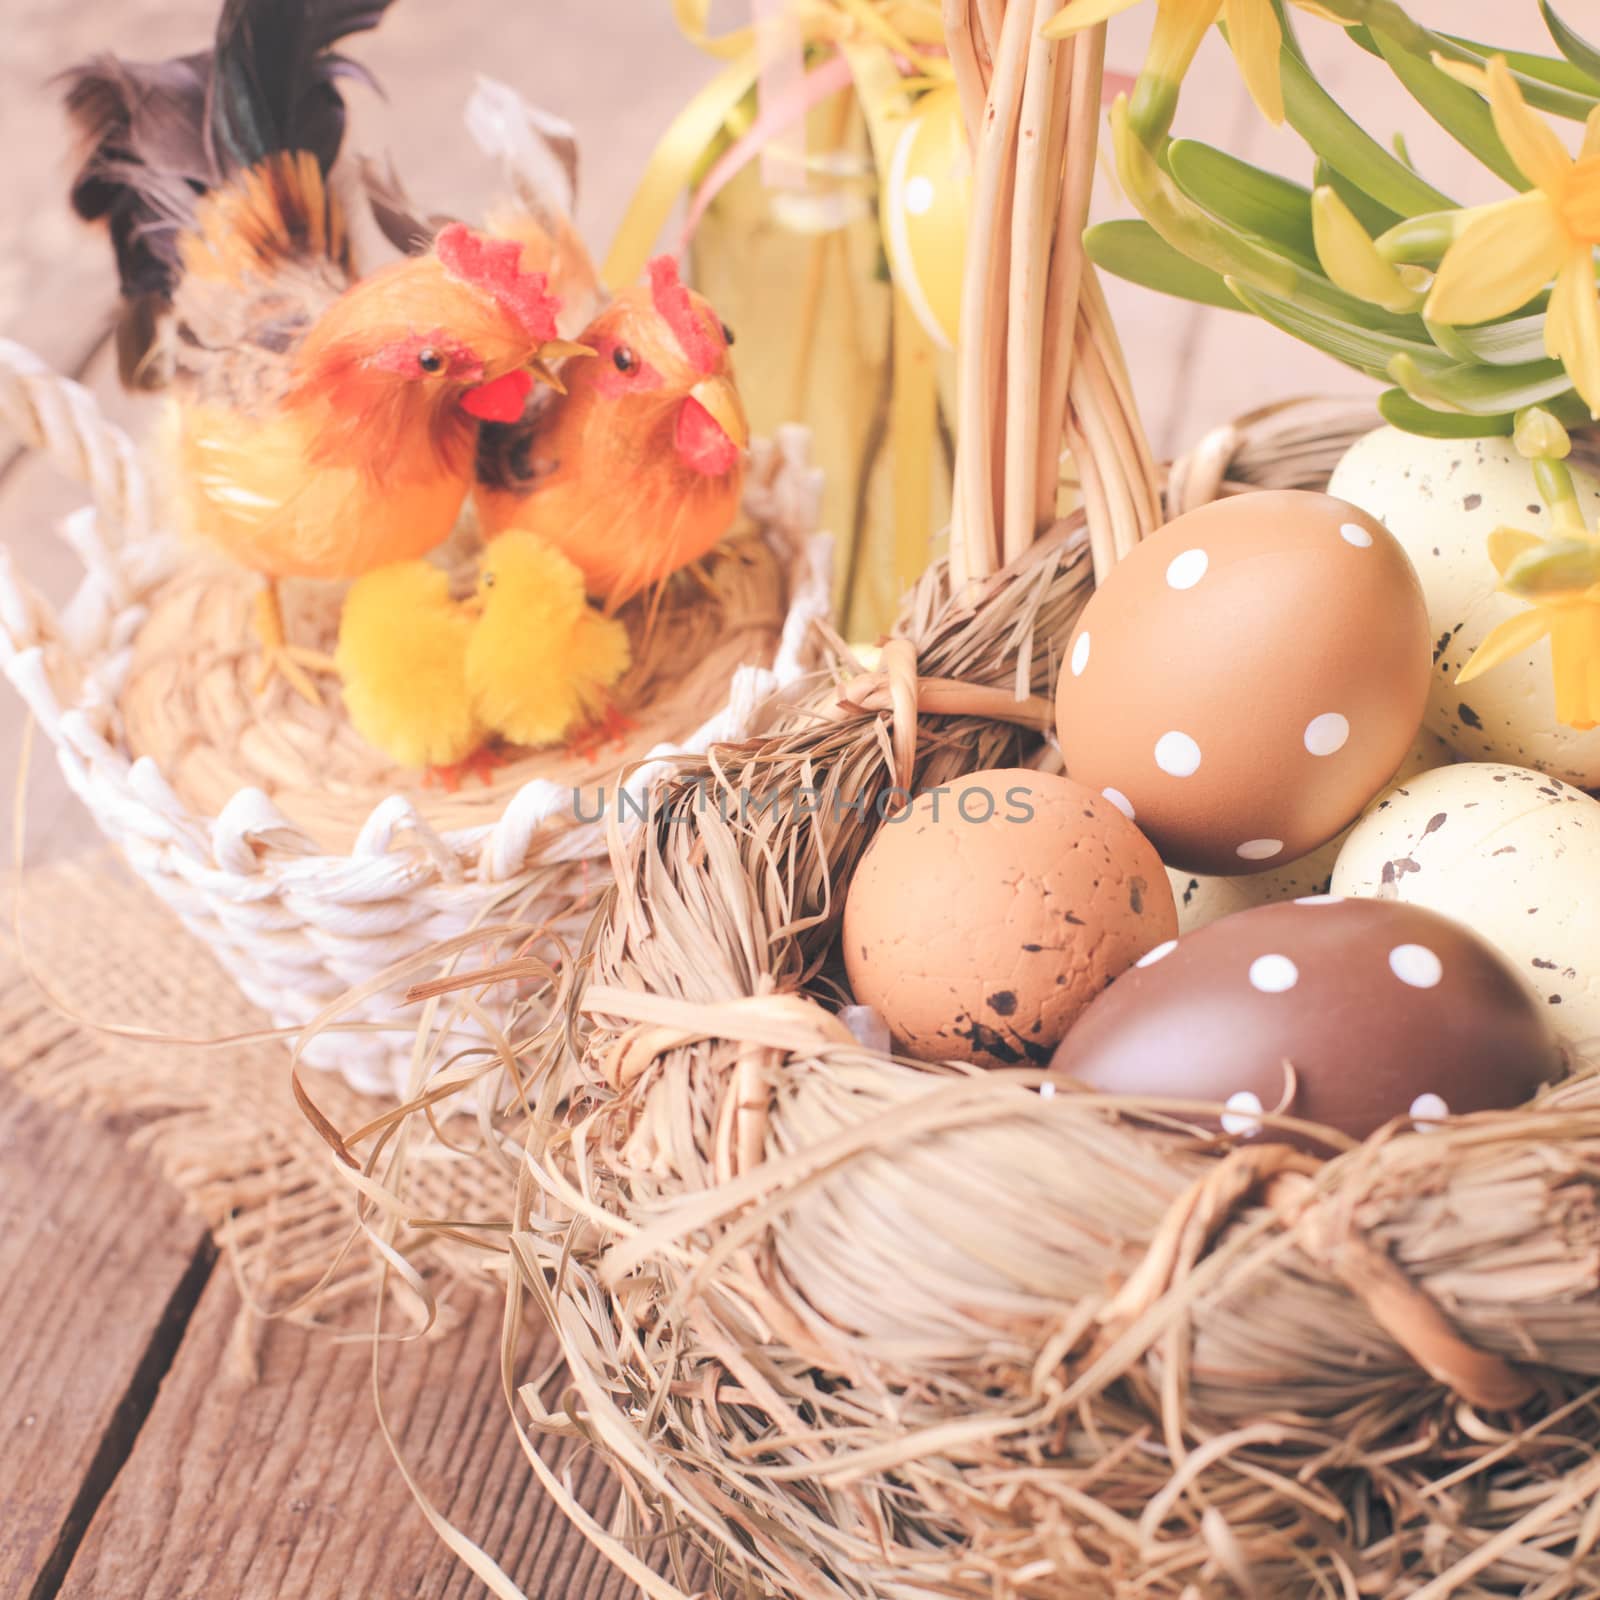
[(1345, 1013), (985, 917), (1247, 679)]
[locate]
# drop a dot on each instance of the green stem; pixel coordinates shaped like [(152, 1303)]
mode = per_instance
[(1152, 108), (1558, 491)]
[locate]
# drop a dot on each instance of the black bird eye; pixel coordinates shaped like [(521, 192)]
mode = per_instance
[(727, 333), (623, 359), (430, 360)]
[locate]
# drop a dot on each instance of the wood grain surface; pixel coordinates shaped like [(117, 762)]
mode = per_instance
[(141, 1458)]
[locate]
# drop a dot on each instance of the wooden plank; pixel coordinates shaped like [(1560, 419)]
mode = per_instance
[(283, 1487), (99, 1268)]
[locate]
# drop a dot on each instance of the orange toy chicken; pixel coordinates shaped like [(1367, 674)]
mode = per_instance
[(323, 426), (636, 470)]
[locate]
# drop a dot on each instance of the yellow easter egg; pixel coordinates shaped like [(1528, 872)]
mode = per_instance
[(925, 212)]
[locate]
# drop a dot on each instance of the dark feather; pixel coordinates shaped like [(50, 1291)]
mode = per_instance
[(397, 215), (156, 136), (144, 165), (506, 458), (274, 86)]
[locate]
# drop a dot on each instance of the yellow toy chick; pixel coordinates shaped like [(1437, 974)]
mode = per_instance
[(430, 680), (402, 655), (541, 657)]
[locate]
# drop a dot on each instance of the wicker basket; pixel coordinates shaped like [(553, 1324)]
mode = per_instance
[(308, 865), (856, 1328)]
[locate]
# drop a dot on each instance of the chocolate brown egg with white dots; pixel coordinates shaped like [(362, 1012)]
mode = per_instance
[(1344, 1013), (1247, 679)]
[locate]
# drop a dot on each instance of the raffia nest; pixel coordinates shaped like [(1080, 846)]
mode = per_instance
[(190, 701), (856, 1327), (853, 1328)]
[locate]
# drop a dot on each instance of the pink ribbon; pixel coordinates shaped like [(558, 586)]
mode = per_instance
[(780, 67), (787, 112)]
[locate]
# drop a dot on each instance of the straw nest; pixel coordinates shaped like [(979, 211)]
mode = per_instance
[(190, 700), (856, 1327), (852, 1328)]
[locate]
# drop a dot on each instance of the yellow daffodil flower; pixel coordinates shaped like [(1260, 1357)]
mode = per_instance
[(1504, 254), (1253, 33), (1560, 578)]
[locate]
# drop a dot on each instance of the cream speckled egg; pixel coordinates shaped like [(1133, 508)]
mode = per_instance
[(982, 920), (1246, 679), (1442, 498), (1203, 899), (1513, 854)]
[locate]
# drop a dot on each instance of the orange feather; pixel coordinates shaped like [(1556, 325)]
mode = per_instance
[(637, 470)]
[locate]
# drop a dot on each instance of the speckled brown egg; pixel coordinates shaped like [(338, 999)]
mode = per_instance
[(991, 912), (1245, 681), (1347, 1013)]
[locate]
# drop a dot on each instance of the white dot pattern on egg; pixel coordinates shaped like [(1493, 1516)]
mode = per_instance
[(1177, 755), (1080, 655), (1428, 1108), (1416, 965), (1354, 533), (1328, 734), (1248, 651), (1273, 974), (1242, 1115), (1121, 802), (1186, 570), (919, 196), (1259, 849), (1160, 953)]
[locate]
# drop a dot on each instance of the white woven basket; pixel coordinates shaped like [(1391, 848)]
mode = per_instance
[(297, 927)]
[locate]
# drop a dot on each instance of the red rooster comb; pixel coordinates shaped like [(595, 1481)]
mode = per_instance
[(695, 339), (494, 267)]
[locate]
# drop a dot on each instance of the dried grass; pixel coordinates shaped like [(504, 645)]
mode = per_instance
[(854, 1327)]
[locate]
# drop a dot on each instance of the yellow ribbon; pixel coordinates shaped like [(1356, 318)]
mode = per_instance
[(673, 161), (694, 23)]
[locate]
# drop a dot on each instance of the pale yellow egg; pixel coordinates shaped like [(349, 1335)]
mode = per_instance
[(925, 212)]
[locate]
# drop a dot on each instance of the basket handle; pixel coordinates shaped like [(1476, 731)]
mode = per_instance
[(1039, 358), (64, 420)]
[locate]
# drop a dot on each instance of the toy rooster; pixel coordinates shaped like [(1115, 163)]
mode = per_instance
[(637, 469), (428, 679), (323, 426)]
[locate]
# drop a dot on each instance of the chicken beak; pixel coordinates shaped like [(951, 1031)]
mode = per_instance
[(722, 404), (543, 365)]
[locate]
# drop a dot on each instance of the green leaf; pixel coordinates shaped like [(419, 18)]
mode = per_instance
[(1344, 339), (1553, 70), (1271, 208), (1374, 218), (1346, 146), (1546, 82), (1551, 85), (1510, 343), (1398, 409), (1195, 233), (1577, 49), (1463, 114), (1133, 250), (1481, 391)]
